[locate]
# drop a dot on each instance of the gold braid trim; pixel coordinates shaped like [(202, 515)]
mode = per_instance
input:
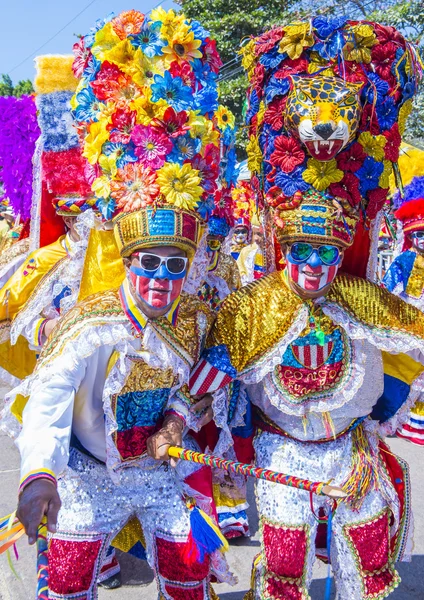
[(375, 307), (20, 247)]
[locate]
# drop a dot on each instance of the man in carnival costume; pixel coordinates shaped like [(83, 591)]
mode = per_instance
[(405, 278), (302, 349), (109, 382)]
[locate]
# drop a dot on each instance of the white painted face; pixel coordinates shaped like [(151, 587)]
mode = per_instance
[(312, 268), (417, 240)]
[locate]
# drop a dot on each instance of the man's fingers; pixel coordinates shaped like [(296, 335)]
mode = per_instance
[(204, 402), (52, 512), (33, 521), (206, 418)]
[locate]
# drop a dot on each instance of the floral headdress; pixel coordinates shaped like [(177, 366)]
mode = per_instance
[(245, 204), (64, 187), (386, 70), (145, 106), (411, 206)]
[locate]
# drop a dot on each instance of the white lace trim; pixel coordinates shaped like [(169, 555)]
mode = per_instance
[(269, 361), (220, 284), (198, 268), (68, 274), (399, 342)]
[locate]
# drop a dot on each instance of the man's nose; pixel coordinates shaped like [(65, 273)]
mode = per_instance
[(161, 273), (314, 260)]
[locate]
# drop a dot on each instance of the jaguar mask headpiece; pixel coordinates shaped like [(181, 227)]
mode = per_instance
[(323, 112)]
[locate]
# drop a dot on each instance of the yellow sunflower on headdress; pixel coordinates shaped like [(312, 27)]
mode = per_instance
[(180, 185), (182, 45), (105, 40), (169, 21), (359, 49), (97, 136), (224, 117), (296, 37), (146, 110)]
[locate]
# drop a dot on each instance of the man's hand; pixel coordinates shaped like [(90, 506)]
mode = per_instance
[(171, 434), (204, 404), (49, 326), (38, 498)]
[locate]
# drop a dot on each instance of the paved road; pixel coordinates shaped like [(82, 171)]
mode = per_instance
[(138, 578)]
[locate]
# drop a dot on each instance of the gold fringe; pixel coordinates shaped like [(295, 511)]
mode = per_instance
[(214, 595), (249, 595)]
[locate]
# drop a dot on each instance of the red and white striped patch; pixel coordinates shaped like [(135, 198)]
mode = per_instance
[(205, 379), (312, 356)]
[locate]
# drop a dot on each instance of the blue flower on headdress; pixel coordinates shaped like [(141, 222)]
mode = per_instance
[(375, 85), (185, 147), (124, 152), (276, 87), (253, 106), (272, 59), (369, 174), (202, 72), (292, 182), (173, 90), (89, 38), (88, 108), (218, 226), (325, 27), (267, 139), (229, 136), (92, 68), (200, 33), (229, 167), (149, 39), (205, 100), (206, 206), (106, 206), (387, 113)]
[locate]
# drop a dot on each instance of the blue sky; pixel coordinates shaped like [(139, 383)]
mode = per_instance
[(28, 24)]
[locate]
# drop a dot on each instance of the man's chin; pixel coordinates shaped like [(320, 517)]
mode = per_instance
[(309, 292)]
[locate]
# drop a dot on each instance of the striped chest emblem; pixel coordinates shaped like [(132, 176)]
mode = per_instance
[(312, 356)]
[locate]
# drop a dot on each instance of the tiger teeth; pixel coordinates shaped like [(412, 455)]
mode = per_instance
[(330, 147), (316, 146)]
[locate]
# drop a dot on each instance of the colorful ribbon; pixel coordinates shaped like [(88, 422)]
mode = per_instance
[(249, 470), (42, 561)]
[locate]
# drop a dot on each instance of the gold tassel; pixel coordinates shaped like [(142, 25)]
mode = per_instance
[(362, 476)]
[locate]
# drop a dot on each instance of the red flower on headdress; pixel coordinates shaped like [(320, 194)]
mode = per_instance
[(386, 33), (268, 40), (184, 71), (391, 149), (352, 72), (288, 153), (211, 56), (257, 79), (347, 188), (376, 199), (351, 160), (224, 206), (369, 121), (172, 123), (82, 56), (383, 56), (110, 82), (274, 115), (123, 122), (292, 67)]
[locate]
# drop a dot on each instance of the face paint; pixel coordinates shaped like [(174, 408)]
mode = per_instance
[(417, 239), (159, 288), (240, 236), (312, 275)]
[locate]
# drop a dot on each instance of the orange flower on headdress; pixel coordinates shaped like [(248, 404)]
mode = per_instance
[(128, 23), (136, 187)]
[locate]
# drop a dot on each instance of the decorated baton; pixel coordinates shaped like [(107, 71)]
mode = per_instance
[(314, 487)]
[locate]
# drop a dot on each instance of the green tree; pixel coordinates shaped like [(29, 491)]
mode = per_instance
[(8, 89), (230, 22)]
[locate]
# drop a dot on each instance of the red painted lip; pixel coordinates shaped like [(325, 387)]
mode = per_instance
[(324, 150)]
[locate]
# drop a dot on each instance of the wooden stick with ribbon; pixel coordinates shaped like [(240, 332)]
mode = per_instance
[(314, 487)]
